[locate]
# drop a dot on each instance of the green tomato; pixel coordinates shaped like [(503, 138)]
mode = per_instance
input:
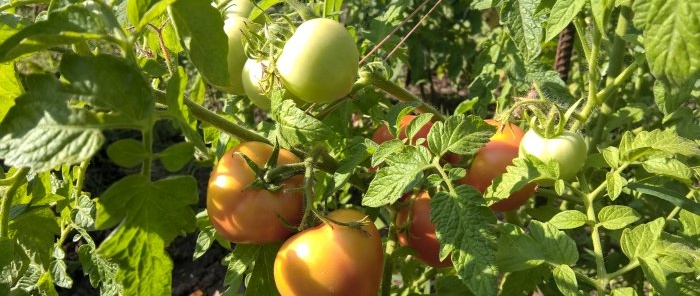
[(241, 8), (319, 63), (253, 76), (568, 149), (234, 28)]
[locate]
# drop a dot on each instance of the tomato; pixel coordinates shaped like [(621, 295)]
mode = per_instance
[(568, 149), (253, 74), (491, 161), (420, 235), (234, 27), (241, 8), (331, 259), (319, 62), (382, 134), (249, 215)]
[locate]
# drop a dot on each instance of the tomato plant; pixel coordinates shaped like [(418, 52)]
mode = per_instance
[(417, 232), (491, 161), (318, 63), (244, 214), (332, 259), (568, 149), (382, 134)]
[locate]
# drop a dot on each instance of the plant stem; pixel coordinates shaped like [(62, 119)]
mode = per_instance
[(223, 124), (632, 265), (402, 94), (308, 195), (7, 201), (597, 246), (388, 251), (592, 102), (426, 276)]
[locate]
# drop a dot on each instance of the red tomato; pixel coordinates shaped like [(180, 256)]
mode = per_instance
[(331, 259), (382, 134), (249, 215), (421, 235), (491, 161)]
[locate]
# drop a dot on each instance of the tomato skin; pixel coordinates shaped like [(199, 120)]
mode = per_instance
[(241, 8), (253, 74), (491, 161), (569, 149), (331, 259), (319, 63), (234, 26), (246, 215), (421, 235), (382, 134)]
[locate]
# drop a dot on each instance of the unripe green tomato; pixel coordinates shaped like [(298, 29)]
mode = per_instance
[(252, 76), (568, 149), (319, 63), (234, 28), (241, 8)]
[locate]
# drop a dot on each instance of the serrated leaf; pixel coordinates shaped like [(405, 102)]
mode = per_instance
[(151, 215), (416, 125), (617, 217), (625, 291), (101, 271), (565, 278), (462, 222), (385, 150), (671, 39), (42, 132), (668, 167), (665, 142), (561, 14), (296, 127), (557, 247), (568, 219), (240, 260), (459, 134), (262, 280), (611, 156), (35, 230), (83, 214), (59, 275), (356, 154), (549, 82), (65, 25), (691, 226), (201, 28), (522, 172), (517, 250), (614, 182), (524, 26), (404, 170), (638, 241), (668, 195), (655, 274), (100, 80), (524, 282), (176, 156), (127, 152)]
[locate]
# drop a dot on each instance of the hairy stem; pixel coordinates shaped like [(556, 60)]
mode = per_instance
[(6, 204)]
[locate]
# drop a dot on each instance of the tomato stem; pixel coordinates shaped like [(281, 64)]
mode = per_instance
[(308, 195), (388, 251), (6, 205), (402, 94)]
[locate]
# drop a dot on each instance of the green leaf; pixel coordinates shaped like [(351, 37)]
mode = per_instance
[(625, 291), (562, 13), (557, 247), (656, 142), (127, 152), (100, 80), (524, 282), (671, 38), (262, 281), (669, 167), (601, 13), (549, 82), (35, 229), (296, 127), (175, 157), (175, 98), (614, 183), (612, 156), (10, 88), (207, 235), (617, 217), (42, 132), (59, 275), (404, 170), (356, 154), (668, 195), (524, 26), (638, 241), (135, 9), (101, 271), (151, 215), (517, 250), (565, 278), (459, 134), (463, 228), (691, 226), (415, 126), (522, 172), (451, 285), (241, 258), (655, 274), (568, 219), (201, 28), (66, 25)]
